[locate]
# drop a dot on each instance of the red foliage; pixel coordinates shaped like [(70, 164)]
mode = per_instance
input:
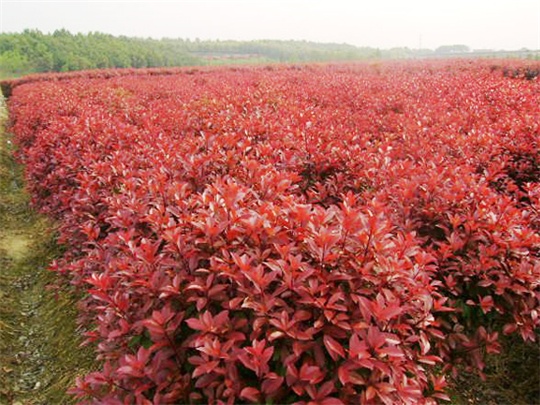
[(321, 235)]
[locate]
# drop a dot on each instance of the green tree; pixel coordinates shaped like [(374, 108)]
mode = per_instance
[(13, 62)]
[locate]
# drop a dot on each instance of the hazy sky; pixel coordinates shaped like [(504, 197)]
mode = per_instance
[(494, 24)]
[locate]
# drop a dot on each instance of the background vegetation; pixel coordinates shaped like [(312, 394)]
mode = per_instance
[(34, 52)]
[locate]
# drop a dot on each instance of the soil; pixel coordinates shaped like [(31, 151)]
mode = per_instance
[(511, 378), (40, 355)]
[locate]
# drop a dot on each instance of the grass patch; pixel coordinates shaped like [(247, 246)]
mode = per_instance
[(40, 353)]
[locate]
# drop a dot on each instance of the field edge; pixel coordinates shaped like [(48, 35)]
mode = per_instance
[(40, 349)]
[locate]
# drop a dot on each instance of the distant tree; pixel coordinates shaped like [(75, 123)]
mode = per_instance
[(13, 62)]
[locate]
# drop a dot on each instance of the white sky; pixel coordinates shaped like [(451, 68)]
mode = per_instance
[(493, 24)]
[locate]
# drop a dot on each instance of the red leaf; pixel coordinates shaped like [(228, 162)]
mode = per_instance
[(311, 374), (334, 347), (358, 349), (205, 368), (371, 393), (195, 324), (271, 383), (250, 394)]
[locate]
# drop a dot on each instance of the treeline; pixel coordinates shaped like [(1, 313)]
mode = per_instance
[(33, 52), (280, 51)]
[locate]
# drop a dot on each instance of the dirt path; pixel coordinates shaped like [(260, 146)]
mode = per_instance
[(39, 348)]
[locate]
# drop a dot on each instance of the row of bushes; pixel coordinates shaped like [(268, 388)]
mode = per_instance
[(324, 235)]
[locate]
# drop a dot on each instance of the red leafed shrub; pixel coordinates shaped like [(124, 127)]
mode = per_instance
[(317, 235)]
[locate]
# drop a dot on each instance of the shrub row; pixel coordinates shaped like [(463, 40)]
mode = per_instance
[(321, 235)]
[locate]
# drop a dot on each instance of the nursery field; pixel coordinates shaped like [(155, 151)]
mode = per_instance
[(319, 234)]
